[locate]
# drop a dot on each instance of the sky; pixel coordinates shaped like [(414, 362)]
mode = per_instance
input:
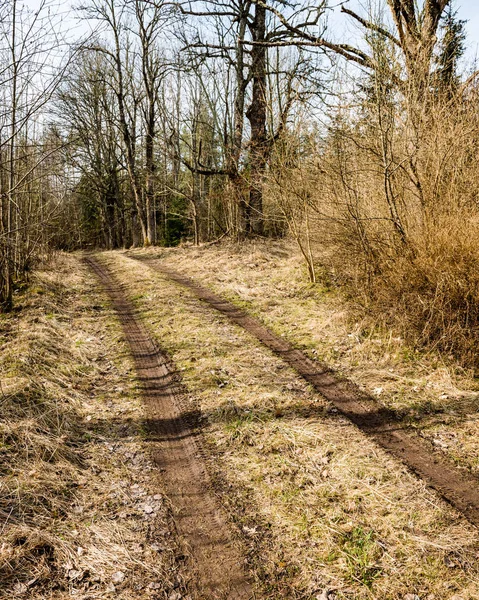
[(469, 9), (341, 26)]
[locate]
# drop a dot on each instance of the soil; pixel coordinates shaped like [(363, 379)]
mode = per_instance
[(457, 487), (215, 559)]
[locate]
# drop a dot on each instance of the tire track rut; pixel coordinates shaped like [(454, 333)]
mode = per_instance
[(459, 488), (218, 566)]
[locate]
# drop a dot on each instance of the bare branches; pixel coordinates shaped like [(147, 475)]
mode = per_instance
[(372, 26), (298, 34), (30, 155)]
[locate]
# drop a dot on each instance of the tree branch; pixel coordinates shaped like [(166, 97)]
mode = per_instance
[(372, 26)]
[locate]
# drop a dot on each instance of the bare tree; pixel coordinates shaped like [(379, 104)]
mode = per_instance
[(150, 20), (31, 71), (87, 114), (416, 28), (243, 32)]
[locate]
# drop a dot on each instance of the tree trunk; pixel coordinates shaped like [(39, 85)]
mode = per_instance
[(128, 138), (150, 175), (256, 115), (9, 258)]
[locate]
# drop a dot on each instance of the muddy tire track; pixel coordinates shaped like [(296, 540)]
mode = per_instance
[(458, 487), (216, 563)]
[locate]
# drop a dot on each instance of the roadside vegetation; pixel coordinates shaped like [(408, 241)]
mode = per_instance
[(81, 508)]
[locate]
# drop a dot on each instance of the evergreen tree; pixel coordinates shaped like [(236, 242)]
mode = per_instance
[(451, 49)]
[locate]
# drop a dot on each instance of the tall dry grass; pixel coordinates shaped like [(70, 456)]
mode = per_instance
[(388, 202)]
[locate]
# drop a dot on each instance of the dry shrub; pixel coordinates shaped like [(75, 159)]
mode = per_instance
[(388, 203), (434, 295)]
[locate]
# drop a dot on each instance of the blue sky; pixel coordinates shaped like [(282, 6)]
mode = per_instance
[(341, 26), (469, 9)]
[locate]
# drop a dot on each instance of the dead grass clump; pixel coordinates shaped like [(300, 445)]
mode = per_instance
[(433, 297), (39, 425)]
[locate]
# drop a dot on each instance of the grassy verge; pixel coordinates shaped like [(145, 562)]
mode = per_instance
[(326, 513), (80, 510), (432, 392)]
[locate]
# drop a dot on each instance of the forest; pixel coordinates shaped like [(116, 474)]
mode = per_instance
[(192, 122), (308, 169)]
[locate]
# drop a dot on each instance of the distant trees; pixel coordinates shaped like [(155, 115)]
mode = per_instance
[(87, 103), (30, 160), (243, 32), (451, 50), (133, 113), (190, 128), (136, 69)]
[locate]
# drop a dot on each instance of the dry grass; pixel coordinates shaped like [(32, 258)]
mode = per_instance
[(323, 507), (433, 393), (75, 475)]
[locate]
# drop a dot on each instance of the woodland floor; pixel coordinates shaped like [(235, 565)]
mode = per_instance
[(152, 448)]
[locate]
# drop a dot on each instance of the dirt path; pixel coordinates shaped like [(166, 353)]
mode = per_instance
[(459, 488), (217, 564)]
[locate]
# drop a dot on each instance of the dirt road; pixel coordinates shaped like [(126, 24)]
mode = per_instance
[(216, 561), (458, 487)]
